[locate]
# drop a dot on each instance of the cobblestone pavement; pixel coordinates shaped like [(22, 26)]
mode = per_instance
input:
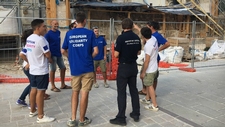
[(185, 100)]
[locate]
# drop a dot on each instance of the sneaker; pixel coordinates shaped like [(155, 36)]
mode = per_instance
[(30, 108), (32, 114), (21, 102), (45, 119), (151, 107), (117, 121), (96, 85), (135, 117), (85, 122), (106, 85), (145, 101), (71, 123)]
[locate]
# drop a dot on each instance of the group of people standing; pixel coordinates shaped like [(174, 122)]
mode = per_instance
[(86, 50)]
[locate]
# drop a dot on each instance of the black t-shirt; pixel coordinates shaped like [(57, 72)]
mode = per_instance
[(128, 44)]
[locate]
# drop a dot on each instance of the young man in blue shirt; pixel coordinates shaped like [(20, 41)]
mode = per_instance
[(100, 59), (80, 48), (54, 40), (162, 44)]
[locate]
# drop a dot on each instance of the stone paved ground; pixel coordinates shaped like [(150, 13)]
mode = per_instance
[(185, 100)]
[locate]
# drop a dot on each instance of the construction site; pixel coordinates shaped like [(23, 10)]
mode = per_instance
[(192, 25)]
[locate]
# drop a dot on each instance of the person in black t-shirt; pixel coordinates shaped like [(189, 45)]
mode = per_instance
[(127, 47)]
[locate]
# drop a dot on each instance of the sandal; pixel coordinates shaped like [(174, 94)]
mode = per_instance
[(66, 87), (46, 97), (141, 92), (55, 89)]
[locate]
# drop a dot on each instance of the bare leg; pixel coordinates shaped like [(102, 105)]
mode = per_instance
[(95, 77), (155, 84), (33, 94), (52, 79), (74, 103), (152, 95), (40, 102), (144, 87), (104, 76), (83, 104), (62, 76)]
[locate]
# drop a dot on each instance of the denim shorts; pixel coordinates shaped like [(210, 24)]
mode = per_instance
[(57, 60), (39, 81)]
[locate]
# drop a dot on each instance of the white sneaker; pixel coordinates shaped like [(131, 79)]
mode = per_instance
[(151, 107), (106, 85), (96, 85), (45, 119), (143, 100), (33, 114)]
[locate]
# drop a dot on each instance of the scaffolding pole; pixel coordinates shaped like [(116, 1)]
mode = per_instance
[(198, 17)]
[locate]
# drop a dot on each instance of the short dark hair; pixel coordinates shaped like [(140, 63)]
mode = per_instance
[(154, 24), (80, 17), (146, 32), (26, 34), (127, 23), (36, 23)]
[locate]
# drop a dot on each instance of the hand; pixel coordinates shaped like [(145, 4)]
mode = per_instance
[(27, 67), (50, 60), (104, 57), (136, 26), (142, 75)]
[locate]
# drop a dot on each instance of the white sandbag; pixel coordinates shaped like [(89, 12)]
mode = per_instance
[(8, 25), (163, 57), (140, 59), (174, 54), (217, 48)]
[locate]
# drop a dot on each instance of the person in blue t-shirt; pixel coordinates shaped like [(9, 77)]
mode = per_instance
[(162, 44), (100, 59), (54, 40), (80, 47)]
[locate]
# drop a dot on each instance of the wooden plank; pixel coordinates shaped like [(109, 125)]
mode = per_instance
[(128, 15), (188, 25), (48, 13), (89, 17), (53, 8), (164, 24), (67, 12)]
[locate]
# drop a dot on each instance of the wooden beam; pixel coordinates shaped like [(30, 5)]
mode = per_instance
[(53, 8), (128, 15), (48, 11), (147, 13), (89, 17), (68, 12), (207, 22), (188, 25), (164, 24)]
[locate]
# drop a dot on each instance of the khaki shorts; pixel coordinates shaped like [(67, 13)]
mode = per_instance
[(157, 75), (82, 82), (150, 78), (100, 63)]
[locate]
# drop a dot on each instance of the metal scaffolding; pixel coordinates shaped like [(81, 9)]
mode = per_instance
[(10, 44)]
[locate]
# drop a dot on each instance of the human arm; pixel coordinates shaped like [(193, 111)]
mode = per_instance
[(95, 51), (145, 66), (166, 45), (48, 56), (105, 52), (64, 52), (137, 27)]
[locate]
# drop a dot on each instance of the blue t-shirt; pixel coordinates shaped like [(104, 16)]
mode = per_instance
[(80, 43), (54, 40), (101, 44), (161, 41)]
